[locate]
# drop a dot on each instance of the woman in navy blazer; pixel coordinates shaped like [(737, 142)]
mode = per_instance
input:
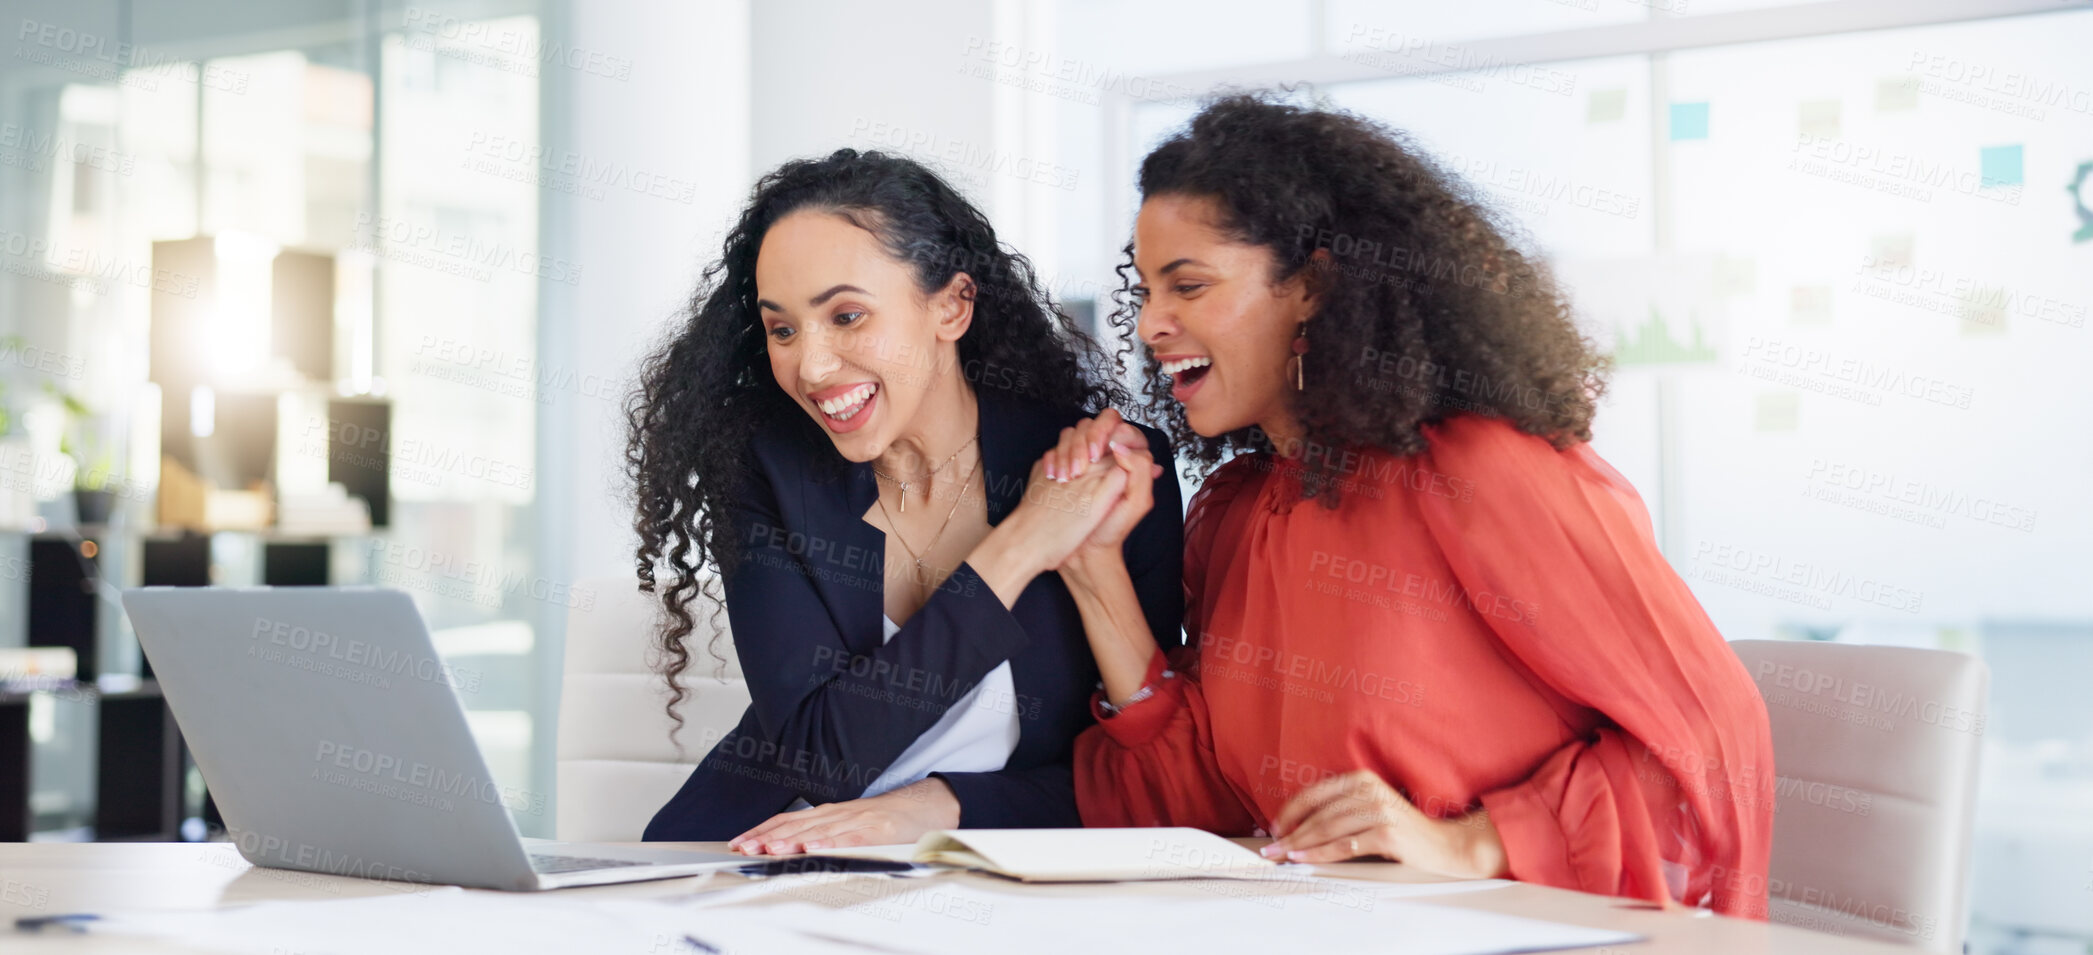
[(850, 427)]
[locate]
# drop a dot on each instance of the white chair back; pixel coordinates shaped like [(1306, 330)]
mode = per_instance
[(1875, 750), (617, 763)]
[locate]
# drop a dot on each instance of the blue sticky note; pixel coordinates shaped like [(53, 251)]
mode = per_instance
[(2000, 165), (1689, 121)]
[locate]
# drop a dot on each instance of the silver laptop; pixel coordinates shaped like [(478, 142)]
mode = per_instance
[(333, 738)]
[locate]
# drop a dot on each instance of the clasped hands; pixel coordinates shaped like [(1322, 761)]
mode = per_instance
[(1084, 496), (1107, 468)]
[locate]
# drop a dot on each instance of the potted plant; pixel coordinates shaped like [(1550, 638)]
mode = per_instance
[(93, 498), (93, 464), (17, 467)]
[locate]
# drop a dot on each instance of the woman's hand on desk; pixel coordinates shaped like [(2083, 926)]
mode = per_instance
[(898, 816), (1358, 815)]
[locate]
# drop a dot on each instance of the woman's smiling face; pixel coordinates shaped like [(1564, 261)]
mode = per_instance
[(1213, 317), (850, 337)]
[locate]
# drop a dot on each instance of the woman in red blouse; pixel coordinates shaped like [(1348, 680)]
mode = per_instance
[(1427, 622)]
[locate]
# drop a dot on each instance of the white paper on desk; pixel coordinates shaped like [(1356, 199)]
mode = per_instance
[(1079, 855), (955, 918), (450, 921), (1302, 884), (1419, 890)]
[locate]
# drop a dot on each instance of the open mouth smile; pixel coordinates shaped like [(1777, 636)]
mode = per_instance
[(1186, 373), (847, 408)]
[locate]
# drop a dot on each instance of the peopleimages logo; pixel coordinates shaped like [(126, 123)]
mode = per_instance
[(1408, 584), (1927, 497), (380, 767), (1870, 697), (1815, 580), (2011, 85), (320, 644), (497, 45), (50, 44), (452, 251), (1842, 910), (1865, 376), (1308, 672), (307, 856)]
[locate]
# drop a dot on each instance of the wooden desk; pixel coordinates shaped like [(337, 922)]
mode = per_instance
[(53, 878)]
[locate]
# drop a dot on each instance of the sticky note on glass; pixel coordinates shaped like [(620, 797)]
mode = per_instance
[(1733, 275), (1819, 118), (1607, 106), (1891, 250), (1894, 93), (1777, 411), (1983, 312), (2000, 165), (1689, 121), (1809, 305)]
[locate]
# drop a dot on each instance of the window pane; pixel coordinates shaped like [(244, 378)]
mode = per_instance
[(453, 241)]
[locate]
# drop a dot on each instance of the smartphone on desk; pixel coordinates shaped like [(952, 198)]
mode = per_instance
[(803, 864)]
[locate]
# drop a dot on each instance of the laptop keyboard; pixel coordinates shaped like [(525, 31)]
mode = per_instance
[(552, 864)]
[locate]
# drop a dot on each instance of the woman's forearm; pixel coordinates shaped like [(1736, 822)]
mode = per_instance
[(1006, 561), (1113, 622)]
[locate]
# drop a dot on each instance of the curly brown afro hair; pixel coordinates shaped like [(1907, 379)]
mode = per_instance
[(1429, 306)]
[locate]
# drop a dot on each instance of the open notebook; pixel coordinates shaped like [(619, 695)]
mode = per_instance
[(1079, 855)]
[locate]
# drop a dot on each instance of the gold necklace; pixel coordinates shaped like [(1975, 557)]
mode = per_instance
[(940, 535), (903, 486)]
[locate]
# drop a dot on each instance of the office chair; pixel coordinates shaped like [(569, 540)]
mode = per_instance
[(1876, 754), (617, 763)]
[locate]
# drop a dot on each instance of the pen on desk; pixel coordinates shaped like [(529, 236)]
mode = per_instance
[(76, 922), (702, 945), (805, 864), (1692, 912)]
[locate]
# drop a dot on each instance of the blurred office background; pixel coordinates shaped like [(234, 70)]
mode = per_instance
[(317, 291)]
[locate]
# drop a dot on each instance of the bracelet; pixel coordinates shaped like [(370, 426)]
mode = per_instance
[(1147, 690)]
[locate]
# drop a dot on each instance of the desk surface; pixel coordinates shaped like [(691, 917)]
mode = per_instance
[(53, 878)]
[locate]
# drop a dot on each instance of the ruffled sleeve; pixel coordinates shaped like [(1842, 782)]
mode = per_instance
[(1153, 763), (1670, 797)]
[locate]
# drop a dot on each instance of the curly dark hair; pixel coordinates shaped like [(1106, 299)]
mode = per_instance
[(1429, 307), (708, 389)]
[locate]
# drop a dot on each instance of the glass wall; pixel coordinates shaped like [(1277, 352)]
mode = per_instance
[(270, 279)]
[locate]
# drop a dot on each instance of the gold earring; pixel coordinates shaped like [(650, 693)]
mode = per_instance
[(1300, 350)]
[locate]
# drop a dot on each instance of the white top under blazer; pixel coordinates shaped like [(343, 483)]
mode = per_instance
[(976, 735)]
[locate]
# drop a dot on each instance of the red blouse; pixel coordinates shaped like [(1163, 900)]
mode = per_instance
[(1487, 624)]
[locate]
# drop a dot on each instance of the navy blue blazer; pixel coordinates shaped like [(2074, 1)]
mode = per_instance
[(832, 706)]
